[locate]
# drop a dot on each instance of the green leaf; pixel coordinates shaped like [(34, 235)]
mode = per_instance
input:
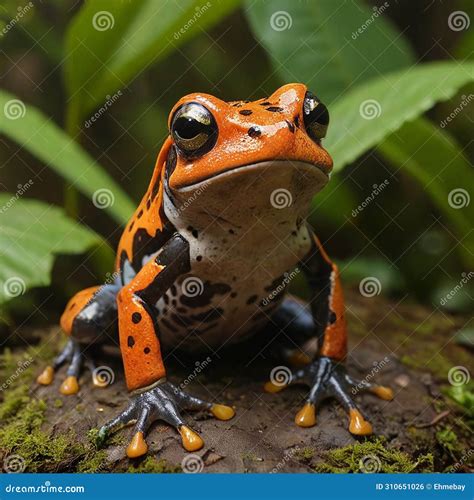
[(109, 43), (31, 234), (43, 138), (436, 161), (318, 42), (366, 115)]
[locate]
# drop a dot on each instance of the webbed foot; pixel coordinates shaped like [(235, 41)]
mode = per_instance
[(327, 378), (162, 402)]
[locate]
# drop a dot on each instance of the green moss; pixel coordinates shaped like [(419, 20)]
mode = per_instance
[(373, 456), (306, 453), (94, 461), (448, 439), (152, 465), (58, 403)]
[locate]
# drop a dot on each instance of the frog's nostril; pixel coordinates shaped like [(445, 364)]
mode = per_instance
[(254, 131)]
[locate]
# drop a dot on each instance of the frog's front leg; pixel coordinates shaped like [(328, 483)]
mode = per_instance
[(326, 374), (152, 396)]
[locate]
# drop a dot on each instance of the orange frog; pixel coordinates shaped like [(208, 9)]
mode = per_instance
[(204, 262)]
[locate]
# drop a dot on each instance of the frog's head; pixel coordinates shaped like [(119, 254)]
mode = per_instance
[(228, 147)]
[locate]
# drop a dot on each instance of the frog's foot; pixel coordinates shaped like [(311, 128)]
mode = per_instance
[(162, 402), (73, 355), (327, 378)]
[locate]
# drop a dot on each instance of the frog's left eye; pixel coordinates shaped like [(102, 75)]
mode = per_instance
[(194, 129), (316, 117)]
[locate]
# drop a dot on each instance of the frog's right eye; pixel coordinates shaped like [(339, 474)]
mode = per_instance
[(193, 129)]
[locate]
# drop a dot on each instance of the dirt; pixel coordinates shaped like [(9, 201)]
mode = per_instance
[(404, 346)]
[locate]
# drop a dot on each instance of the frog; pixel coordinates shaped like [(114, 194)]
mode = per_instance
[(205, 261)]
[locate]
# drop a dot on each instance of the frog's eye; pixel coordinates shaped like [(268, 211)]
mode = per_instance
[(194, 129), (316, 117)]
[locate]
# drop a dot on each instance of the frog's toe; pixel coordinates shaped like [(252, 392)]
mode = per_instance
[(380, 391), (46, 377)]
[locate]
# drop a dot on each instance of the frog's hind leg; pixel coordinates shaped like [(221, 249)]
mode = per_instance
[(89, 319)]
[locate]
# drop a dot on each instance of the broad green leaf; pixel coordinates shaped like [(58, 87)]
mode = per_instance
[(43, 138), (366, 115), (319, 43), (109, 43), (31, 234), (436, 161)]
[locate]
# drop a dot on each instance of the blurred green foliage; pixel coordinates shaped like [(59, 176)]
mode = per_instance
[(105, 73)]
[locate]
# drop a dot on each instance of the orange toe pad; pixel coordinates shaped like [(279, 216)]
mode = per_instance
[(191, 440), (383, 392), (222, 412), (69, 386), (306, 417), (272, 388), (46, 376), (137, 446), (358, 425)]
